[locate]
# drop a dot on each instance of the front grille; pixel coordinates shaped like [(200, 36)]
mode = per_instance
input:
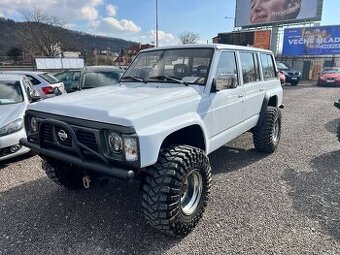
[(4, 152), (85, 137)]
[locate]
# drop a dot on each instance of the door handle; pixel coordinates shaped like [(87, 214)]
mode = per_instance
[(240, 96), (261, 89)]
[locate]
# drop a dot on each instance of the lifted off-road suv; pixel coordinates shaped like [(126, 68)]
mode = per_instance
[(172, 107)]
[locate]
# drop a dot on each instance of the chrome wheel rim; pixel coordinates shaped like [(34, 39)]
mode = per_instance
[(191, 192), (276, 131)]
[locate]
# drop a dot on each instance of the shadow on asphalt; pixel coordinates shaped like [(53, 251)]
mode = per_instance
[(6, 162), (316, 193), (331, 126), (229, 159), (43, 218)]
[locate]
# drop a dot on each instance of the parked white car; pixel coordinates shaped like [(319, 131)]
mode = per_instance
[(16, 92), (46, 84), (172, 107)]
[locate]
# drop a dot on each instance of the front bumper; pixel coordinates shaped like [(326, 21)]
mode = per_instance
[(6, 142), (83, 163), (75, 152)]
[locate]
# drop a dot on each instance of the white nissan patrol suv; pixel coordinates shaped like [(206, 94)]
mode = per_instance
[(172, 108)]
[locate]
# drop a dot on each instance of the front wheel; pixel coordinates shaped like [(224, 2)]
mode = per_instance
[(176, 191), (267, 136)]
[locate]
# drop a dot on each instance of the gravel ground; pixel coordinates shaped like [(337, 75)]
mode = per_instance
[(284, 203)]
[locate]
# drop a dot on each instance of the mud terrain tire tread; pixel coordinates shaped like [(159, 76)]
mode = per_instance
[(161, 191), (262, 135)]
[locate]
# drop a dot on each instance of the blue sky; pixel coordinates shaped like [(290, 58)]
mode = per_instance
[(135, 19)]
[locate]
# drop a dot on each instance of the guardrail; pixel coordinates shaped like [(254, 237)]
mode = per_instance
[(16, 68)]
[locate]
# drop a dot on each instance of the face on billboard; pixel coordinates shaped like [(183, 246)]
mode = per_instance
[(264, 11), (256, 12)]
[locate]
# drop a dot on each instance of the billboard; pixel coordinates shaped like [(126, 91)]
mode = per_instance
[(323, 40), (258, 39), (253, 13)]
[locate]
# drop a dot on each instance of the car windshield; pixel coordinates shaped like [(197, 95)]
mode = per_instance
[(10, 92), (282, 66), (102, 78), (49, 78), (187, 66), (331, 71)]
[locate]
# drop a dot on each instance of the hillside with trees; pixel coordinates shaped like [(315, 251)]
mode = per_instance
[(19, 36)]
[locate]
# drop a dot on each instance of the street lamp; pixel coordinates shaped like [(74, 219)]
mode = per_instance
[(156, 23)]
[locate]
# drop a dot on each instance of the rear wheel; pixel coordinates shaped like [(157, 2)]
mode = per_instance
[(177, 189), (267, 136)]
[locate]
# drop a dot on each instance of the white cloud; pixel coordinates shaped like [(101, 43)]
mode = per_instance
[(89, 13), (164, 38), (110, 24), (111, 10)]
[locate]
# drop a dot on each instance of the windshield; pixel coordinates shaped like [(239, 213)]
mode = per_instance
[(49, 78), (188, 66), (282, 66), (331, 71), (98, 79), (10, 92)]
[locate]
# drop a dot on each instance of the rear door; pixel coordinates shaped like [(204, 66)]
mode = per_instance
[(253, 84)]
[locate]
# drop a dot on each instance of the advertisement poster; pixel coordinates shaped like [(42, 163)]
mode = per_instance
[(251, 13), (324, 40), (258, 39)]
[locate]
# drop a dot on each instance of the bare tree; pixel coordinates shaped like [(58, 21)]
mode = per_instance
[(42, 34), (189, 37)]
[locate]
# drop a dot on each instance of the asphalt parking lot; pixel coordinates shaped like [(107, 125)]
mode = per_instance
[(284, 203)]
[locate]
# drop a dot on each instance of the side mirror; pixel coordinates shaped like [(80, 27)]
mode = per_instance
[(224, 82), (33, 95)]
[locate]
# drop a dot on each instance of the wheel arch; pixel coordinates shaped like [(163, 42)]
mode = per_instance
[(192, 135)]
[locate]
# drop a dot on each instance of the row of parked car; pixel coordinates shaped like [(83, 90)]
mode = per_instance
[(20, 88)]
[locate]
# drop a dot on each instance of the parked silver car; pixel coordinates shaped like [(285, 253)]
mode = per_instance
[(46, 84), (16, 92)]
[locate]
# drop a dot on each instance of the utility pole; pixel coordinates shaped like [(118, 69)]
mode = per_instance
[(156, 23)]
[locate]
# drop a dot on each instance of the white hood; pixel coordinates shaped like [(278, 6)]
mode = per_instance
[(11, 112), (125, 105)]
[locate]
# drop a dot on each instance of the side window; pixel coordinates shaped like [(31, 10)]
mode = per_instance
[(226, 75), (250, 67), (268, 68), (76, 76), (33, 80)]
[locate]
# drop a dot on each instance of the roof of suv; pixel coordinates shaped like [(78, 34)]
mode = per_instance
[(212, 46)]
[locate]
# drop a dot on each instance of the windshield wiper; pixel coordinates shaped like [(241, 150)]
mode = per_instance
[(168, 78), (136, 78)]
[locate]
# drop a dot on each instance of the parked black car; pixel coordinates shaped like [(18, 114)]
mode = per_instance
[(292, 76)]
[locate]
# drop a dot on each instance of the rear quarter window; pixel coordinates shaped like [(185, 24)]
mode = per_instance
[(49, 78), (268, 67)]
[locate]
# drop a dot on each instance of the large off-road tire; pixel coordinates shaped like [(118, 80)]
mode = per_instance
[(176, 191), (267, 136), (64, 175)]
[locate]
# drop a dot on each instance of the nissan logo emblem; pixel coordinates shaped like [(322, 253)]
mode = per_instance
[(62, 135)]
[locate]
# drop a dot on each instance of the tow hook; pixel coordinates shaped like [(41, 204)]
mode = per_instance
[(86, 181)]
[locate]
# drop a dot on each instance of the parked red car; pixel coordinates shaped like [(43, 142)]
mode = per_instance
[(329, 77)]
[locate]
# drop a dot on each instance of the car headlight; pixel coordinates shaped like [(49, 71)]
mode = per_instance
[(34, 124), (12, 127), (131, 149), (115, 142)]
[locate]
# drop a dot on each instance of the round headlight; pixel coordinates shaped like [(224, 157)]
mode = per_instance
[(115, 142), (34, 124)]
